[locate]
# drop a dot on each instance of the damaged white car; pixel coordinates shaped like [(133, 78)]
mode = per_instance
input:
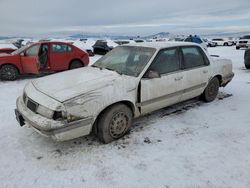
[(130, 81)]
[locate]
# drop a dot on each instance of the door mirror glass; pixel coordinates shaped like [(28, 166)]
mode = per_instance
[(153, 74)]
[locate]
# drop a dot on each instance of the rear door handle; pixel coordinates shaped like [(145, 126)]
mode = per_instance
[(178, 78)]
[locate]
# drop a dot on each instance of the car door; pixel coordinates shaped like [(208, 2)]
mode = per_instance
[(60, 56), (162, 91), (196, 71), (29, 59)]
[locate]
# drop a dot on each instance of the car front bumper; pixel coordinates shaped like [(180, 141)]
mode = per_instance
[(57, 130)]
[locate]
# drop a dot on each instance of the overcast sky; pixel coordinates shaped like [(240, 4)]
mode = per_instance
[(126, 17)]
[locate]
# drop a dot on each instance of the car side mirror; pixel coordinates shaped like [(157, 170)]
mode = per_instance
[(22, 54), (153, 74)]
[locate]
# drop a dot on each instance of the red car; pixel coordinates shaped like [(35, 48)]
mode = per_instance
[(7, 50), (41, 57)]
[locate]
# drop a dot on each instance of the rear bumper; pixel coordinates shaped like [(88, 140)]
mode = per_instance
[(63, 131), (227, 79)]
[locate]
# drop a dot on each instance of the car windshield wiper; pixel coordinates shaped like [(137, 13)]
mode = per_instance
[(95, 66), (112, 70)]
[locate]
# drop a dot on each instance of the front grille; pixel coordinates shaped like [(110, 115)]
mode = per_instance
[(32, 105)]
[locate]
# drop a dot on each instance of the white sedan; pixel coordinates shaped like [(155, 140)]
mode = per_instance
[(130, 81)]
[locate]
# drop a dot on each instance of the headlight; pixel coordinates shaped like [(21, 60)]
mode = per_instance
[(46, 112), (59, 115)]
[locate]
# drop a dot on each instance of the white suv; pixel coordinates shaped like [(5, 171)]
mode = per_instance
[(222, 42), (243, 42)]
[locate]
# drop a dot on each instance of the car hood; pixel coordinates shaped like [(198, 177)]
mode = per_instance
[(4, 55), (67, 85)]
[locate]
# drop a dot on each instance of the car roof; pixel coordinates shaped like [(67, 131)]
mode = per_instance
[(160, 45)]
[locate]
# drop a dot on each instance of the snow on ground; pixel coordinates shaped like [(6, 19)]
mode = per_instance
[(193, 144)]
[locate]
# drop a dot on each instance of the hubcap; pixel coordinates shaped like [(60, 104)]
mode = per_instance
[(118, 124), (212, 89), (8, 73)]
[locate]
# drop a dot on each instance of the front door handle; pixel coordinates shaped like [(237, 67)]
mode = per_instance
[(178, 78), (205, 71)]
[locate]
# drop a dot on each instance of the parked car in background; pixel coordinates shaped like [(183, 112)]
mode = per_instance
[(222, 42), (177, 39), (121, 42), (243, 42), (247, 58), (101, 47), (41, 57), (86, 45), (209, 43), (196, 39), (232, 40), (139, 40), (128, 82), (18, 43)]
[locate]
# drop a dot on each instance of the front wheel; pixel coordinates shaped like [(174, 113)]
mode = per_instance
[(211, 91), (75, 64), (114, 123), (8, 72)]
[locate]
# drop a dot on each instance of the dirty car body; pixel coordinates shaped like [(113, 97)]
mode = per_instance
[(68, 105)]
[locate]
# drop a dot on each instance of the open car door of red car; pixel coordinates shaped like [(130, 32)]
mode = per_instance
[(29, 60), (30, 64)]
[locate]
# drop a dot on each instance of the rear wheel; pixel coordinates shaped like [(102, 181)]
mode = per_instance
[(225, 44), (211, 90), (75, 64), (114, 123), (8, 72)]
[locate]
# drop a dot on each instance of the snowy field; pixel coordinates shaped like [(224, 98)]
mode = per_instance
[(193, 144)]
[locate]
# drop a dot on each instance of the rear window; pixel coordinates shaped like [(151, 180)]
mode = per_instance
[(192, 57)]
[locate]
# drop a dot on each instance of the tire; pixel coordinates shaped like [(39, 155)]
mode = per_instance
[(237, 47), (114, 123), (8, 72), (225, 44), (75, 64), (211, 91)]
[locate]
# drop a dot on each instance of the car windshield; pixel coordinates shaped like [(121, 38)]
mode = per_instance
[(20, 50), (128, 60)]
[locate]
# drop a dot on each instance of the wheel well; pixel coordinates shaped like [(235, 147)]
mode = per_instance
[(127, 103), (219, 78), (11, 65), (76, 59)]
